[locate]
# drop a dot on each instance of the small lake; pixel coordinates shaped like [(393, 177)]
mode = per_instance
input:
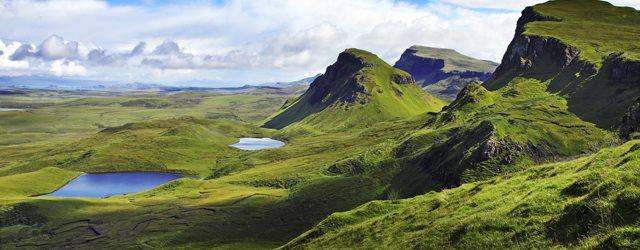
[(8, 109), (257, 143), (100, 185)]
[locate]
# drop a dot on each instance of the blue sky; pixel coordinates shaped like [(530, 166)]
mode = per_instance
[(226, 43)]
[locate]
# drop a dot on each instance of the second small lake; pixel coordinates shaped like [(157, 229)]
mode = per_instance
[(9, 109), (257, 143), (100, 185)]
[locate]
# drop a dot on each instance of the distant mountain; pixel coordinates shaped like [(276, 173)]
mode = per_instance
[(357, 90), (50, 82), (47, 82), (302, 82), (443, 72)]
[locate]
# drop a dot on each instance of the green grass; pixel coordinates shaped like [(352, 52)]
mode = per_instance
[(373, 136), (363, 90), (56, 119), (589, 82), (43, 181), (187, 145), (266, 198), (522, 123), (587, 202), (260, 198), (617, 29)]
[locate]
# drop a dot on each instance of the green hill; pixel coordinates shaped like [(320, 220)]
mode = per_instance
[(584, 50), (481, 135), (590, 202), (358, 90), (490, 153)]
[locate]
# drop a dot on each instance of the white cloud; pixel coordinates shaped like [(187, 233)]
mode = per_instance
[(494, 4), (67, 68), (629, 3), (5, 59), (55, 47), (244, 40)]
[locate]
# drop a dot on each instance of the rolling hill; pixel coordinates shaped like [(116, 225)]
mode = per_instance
[(368, 162)]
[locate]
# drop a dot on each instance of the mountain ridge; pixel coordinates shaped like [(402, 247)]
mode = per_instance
[(443, 72), (598, 78), (363, 89)]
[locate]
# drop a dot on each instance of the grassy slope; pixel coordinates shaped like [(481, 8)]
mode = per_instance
[(385, 100), (587, 202), (593, 92), (453, 60), (618, 28), (525, 124), (43, 181)]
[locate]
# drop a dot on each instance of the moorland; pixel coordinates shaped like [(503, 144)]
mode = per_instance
[(545, 153)]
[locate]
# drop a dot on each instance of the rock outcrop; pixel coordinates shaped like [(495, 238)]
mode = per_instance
[(631, 120), (357, 90), (443, 72), (598, 91)]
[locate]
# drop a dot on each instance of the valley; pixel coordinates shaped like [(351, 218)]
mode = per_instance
[(542, 152)]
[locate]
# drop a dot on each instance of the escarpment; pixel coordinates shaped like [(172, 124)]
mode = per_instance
[(599, 85), (443, 72)]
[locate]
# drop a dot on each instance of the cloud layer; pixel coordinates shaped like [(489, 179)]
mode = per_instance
[(238, 41)]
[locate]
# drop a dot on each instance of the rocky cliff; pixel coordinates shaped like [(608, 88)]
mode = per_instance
[(358, 90), (600, 79), (443, 72)]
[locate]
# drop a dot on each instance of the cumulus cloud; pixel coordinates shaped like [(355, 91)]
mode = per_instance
[(246, 40), (55, 47), (138, 49), (167, 47), (100, 57), (8, 66), (24, 51), (494, 4), (67, 68)]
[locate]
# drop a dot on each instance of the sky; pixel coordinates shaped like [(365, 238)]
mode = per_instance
[(228, 43)]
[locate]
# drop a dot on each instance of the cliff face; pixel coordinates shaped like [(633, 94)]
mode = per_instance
[(631, 120), (357, 90), (597, 90), (338, 82), (443, 72)]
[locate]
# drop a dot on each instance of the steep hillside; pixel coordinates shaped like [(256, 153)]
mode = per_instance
[(443, 72), (590, 202), (556, 43), (358, 90), (490, 152), (481, 135)]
